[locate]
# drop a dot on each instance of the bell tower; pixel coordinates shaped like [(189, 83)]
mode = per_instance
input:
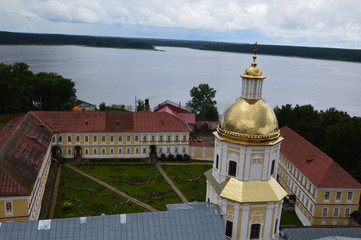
[(247, 148)]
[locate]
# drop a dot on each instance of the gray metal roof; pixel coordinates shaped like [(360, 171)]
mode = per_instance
[(197, 224), (190, 205), (310, 233)]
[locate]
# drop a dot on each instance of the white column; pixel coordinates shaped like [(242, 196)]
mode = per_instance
[(235, 220), (268, 222), (244, 223)]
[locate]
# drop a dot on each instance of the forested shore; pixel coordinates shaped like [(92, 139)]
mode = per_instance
[(11, 38)]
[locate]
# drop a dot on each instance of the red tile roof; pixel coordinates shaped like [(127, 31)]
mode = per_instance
[(9, 129), (78, 122), (319, 168), (22, 154), (189, 118)]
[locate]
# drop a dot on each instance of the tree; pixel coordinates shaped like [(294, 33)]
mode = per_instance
[(56, 92), (19, 88), (140, 105), (203, 103)]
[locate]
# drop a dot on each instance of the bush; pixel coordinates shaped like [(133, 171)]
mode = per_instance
[(179, 157), (186, 157), (163, 157), (170, 157)]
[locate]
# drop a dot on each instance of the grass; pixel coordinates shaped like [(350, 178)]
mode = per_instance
[(189, 179), (3, 124), (79, 196), (143, 182), (290, 218)]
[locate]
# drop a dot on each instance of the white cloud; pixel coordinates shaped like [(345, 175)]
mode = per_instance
[(328, 20)]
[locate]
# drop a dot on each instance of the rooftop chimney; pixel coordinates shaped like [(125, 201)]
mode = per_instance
[(146, 105)]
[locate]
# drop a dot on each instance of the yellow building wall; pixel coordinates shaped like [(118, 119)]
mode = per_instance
[(19, 210)]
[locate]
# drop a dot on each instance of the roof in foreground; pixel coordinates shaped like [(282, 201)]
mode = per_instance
[(80, 122), (312, 233), (197, 224), (319, 168)]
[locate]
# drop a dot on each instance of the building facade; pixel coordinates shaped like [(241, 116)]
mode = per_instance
[(116, 134), (243, 178), (325, 193), (25, 158)]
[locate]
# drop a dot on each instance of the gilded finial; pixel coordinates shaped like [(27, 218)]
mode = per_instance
[(254, 54)]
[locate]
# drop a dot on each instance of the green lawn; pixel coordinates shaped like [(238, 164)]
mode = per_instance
[(143, 182), (189, 179), (79, 196), (290, 218)]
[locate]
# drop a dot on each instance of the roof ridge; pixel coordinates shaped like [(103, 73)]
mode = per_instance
[(40, 120)]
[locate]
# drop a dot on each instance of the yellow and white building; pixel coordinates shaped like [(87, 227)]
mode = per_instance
[(325, 193), (25, 158), (106, 135), (243, 179)]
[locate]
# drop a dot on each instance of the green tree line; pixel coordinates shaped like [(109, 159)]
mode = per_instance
[(61, 39), (352, 55), (21, 90), (334, 132)]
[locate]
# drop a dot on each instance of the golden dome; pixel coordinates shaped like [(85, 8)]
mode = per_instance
[(248, 120), (253, 71)]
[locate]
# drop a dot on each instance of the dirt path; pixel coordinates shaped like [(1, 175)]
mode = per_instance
[(113, 189), (175, 189), (54, 198)]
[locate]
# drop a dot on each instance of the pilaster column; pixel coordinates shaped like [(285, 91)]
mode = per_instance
[(244, 223)]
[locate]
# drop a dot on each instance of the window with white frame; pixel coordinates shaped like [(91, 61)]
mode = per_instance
[(112, 138), (144, 138), (112, 151), (327, 195), (349, 195), (184, 150), (77, 139), (184, 137), (86, 150), (120, 139), (60, 138), (8, 207), (336, 211), (103, 151), (153, 138), (128, 138), (69, 139), (324, 211), (168, 150), (347, 212), (177, 138), (144, 150), (169, 138), (175, 150), (161, 138), (119, 150), (53, 139), (86, 139), (95, 151), (103, 138), (136, 150), (136, 138), (338, 195), (95, 139), (69, 151), (128, 150)]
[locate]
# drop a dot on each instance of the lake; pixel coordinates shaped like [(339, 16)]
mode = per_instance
[(116, 76)]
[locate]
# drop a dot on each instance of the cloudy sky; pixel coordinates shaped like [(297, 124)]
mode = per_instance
[(326, 23)]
